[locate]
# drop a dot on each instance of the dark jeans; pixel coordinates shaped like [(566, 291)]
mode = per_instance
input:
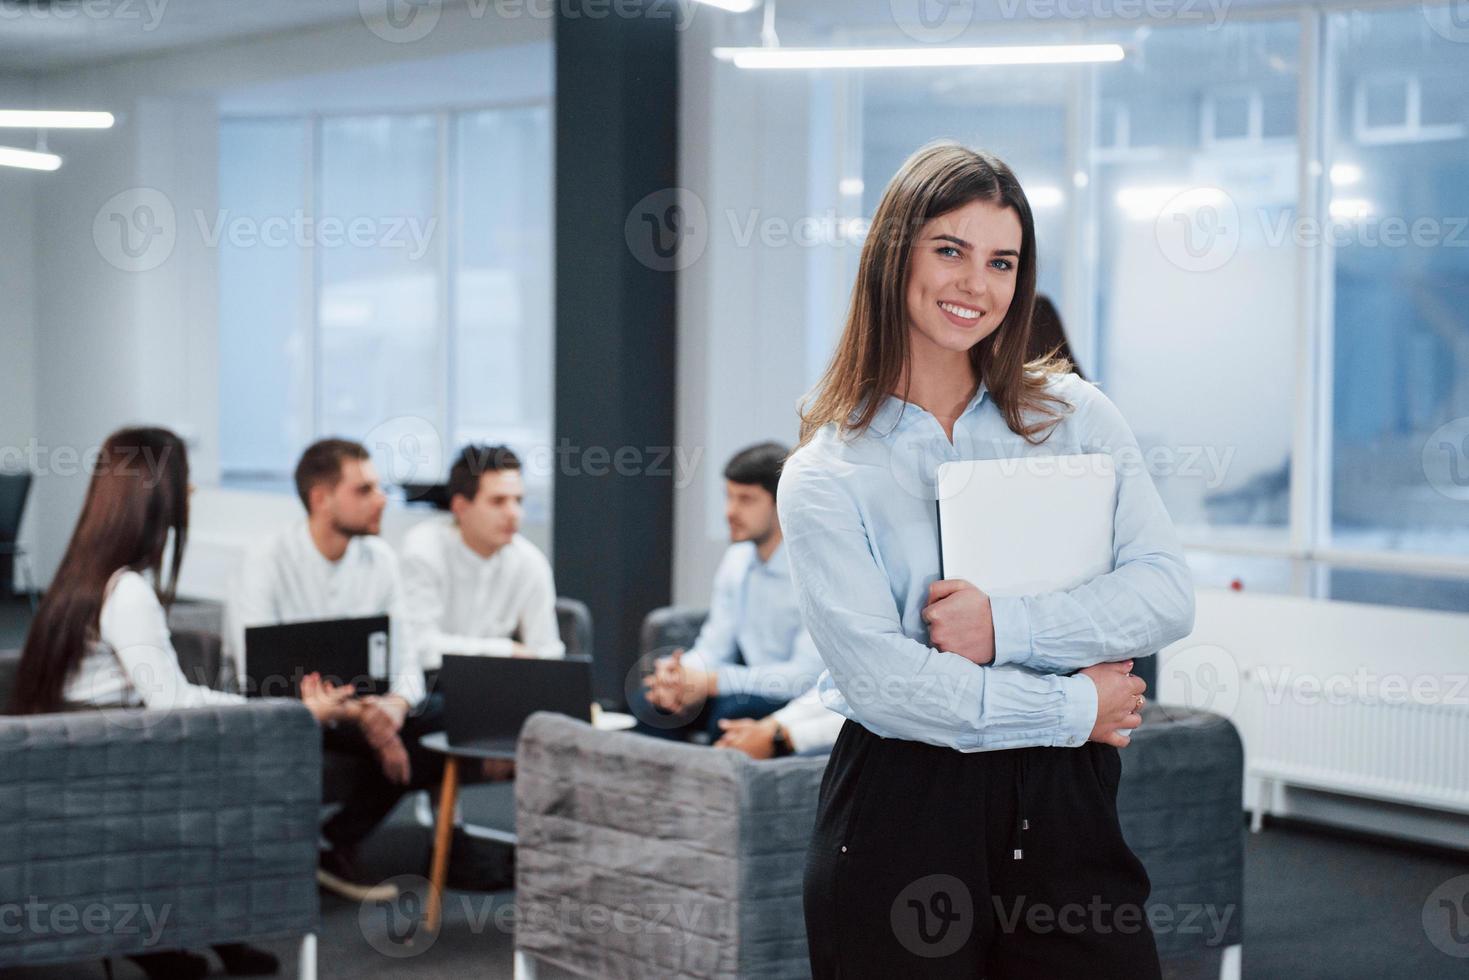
[(352, 776), (679, 727), (1009, 865)]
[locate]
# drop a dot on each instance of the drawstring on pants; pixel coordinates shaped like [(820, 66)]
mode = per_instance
[(1021, 823)]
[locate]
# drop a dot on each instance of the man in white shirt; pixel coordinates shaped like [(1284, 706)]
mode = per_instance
[(752, 655), (474, 585), (333, 565)]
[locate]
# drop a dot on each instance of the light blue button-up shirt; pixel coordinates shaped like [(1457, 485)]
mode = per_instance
[(861, 530), (753, 610)]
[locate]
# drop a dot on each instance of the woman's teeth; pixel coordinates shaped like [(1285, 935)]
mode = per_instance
[(963, 311)]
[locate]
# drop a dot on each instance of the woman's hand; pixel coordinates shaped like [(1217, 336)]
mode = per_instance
[(393, 757), (322, 698), (959, 620), (1119, 702)]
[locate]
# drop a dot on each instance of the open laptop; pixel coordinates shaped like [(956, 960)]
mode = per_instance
[(343, 651), (488, 699)]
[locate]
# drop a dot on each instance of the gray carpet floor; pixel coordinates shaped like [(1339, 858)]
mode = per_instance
[(1318, 904)]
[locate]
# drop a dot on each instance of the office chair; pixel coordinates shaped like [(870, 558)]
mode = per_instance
[(14, 489)]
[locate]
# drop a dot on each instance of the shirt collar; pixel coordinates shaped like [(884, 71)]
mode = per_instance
[(775, 564), (894, 413)]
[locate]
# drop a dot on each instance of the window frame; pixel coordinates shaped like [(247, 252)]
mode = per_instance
[(445, 216)]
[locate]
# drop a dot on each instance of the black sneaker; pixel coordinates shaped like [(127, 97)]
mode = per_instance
[(243, 960), (338, 874), (172, 965)]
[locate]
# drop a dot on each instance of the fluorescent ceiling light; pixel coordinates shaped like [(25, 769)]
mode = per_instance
[(1345, 174), (733, 6), (850, 186), (13, 156), (48, 119), (915, 57)]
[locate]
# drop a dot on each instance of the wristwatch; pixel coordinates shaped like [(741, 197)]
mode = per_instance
[(780, 742)]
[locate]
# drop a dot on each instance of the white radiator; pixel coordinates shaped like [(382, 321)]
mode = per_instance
[(1363, 701), (1351, 739)]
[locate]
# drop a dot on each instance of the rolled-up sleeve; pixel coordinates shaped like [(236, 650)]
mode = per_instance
[(1145, 603), (894, 685)]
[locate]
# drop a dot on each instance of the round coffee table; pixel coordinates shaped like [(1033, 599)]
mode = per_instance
[(444, 825)]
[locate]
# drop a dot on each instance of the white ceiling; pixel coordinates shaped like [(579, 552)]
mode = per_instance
[(45, 35)]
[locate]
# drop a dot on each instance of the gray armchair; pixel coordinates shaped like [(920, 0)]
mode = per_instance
[(617, 828), (133, 831), (574, 619), (640, 858)]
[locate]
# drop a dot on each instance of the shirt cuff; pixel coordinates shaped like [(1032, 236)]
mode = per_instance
[(1079, 713), (730, 678), (1011, 617), (814, 734)]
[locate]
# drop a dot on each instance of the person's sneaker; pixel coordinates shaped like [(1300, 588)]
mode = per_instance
[(171, 965), (244, 960), (338, 874)]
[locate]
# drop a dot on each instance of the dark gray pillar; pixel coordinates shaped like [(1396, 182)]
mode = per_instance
[(616, 143)]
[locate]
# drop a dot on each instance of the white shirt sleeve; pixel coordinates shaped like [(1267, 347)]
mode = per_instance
[(539, 629), (134, 626), (405, 667), (811, 725), (716, 642), (253, 601)]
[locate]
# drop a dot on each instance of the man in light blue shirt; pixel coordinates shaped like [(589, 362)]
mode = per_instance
[(752, 655)]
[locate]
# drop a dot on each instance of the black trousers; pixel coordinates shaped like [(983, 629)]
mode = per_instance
[(935, 863), (352, 776)]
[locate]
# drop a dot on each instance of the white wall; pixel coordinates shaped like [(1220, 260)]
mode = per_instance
[(18, 190), (114, 347)]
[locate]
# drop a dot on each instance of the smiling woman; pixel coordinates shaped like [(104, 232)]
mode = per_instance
[(978, 765)]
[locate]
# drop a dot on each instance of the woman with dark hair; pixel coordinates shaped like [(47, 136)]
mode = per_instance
[(1048, 337), (101, 639), (967, 823)]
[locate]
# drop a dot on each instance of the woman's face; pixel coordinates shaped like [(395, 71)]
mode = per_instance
[(961, 275)]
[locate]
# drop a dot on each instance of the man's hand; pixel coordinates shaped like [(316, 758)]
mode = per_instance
[(1119, 702), (376, 724), (392, 705), (518, 649), (323, 698), (393, 757), (959, 620), (755, 738), (672, 686)]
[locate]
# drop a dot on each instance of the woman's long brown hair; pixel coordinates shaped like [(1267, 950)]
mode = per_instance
[(138, 494), (871, 358)]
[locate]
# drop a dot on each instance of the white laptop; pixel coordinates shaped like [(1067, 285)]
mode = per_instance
[(1028, 525)]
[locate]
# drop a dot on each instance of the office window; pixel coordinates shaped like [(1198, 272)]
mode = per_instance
[(503, 302), (409, 305), (1399, 275), (265, 334), (379, 298), (1195, 296), (1168, 192)]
